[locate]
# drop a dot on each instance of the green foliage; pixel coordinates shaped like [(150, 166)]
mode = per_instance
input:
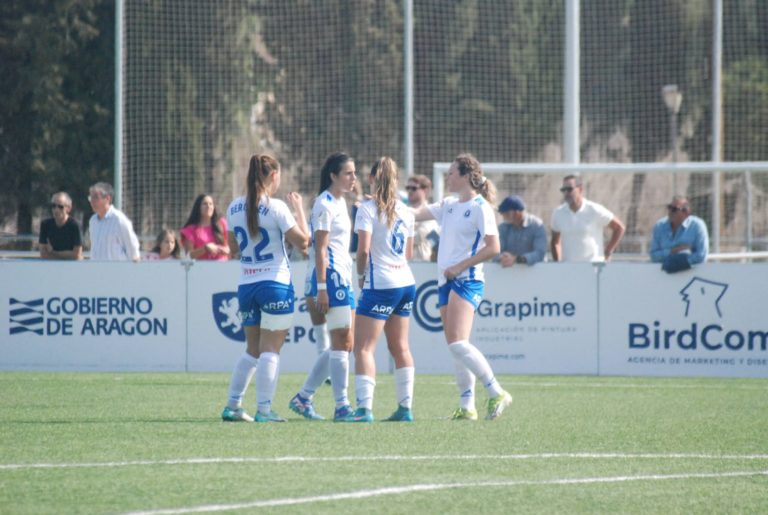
[(55, 104), (746, 113)]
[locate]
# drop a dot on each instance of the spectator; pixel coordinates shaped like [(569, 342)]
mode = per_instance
[(679, 239), (427, 235), (60, 236), (522, 236), (112, 236), (166, 246), (580, 223), (203, 236)]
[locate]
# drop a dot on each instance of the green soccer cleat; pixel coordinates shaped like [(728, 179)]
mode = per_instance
[(235, 415), (343, 414), (497, 405), (270, 417), (401, 414), (464, 414), (304, 407), (361, 415)]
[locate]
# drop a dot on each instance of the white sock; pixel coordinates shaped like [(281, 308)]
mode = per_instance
[(266, 380), (465, 380), (364, 386), (318, 374), (474, 360), (322, 338), (404, 386), (241, 376), (340, 376)]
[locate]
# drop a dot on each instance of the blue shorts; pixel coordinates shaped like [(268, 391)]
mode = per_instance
[(268, 296), (471, 291), (382, 303), (339, 294)]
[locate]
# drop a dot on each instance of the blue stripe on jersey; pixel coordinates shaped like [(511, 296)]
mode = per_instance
[(370, 273), (285, 253), (330, 258), (474, 251), (328, 197)]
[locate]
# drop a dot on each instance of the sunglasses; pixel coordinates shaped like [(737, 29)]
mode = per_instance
[(412, 188), (675, 209), (57, 206), (567, 189)]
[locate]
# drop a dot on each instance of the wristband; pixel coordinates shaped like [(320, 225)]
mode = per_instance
[(361, 276), (321, 286)]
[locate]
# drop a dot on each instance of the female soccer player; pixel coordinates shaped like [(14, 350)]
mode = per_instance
[(468, 237), (258, 223), (330, 282), (384, 226)]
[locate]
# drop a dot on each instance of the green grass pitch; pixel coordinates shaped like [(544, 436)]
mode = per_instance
[(154, 443)]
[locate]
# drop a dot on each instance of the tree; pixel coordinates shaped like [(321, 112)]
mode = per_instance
[(55, 107)]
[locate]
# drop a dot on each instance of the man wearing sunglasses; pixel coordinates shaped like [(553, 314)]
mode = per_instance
[(679, 239), (578, 224), (427, 233), (60, 236)]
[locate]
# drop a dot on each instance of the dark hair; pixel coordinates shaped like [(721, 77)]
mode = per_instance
[(259, 168), (194, 218), (332, 165), (422, 180), (468, 164), (576, 179), (175, 253)]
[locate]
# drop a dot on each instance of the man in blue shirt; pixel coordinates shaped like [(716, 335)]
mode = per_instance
[(522, 236), (679, 239)]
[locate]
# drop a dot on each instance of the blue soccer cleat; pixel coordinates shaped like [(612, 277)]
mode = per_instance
[(304, 407), (235, 415), (401, 414), (343, 414)]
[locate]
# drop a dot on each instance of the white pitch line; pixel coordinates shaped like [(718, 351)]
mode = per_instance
[(395, 490), (318, 459)]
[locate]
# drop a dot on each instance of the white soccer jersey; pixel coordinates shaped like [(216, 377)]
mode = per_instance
[(263, 257), (387, 265), (330, 214), (464, 226)]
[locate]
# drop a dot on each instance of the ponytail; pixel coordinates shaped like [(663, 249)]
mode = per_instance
[(259, 168), (468, 164), (385, 196)]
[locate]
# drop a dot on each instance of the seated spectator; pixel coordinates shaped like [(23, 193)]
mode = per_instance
[(60, 236), (426, 234), (166, 247), (578, 225), (112, 236), (204, 234), (679, 239), (522, 236)]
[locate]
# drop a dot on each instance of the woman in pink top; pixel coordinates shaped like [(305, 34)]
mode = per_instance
[(203, 236)]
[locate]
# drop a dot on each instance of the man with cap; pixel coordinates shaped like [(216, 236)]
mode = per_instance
[(522, 236)]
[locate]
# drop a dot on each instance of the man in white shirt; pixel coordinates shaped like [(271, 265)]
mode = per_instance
[(427, 236), (577, 227), (112, 236)]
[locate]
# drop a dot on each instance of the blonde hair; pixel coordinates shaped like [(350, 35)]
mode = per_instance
[(385, 196), (468, 164)]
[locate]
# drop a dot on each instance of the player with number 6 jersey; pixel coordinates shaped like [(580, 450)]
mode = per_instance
[(258, 225), (384, 227)]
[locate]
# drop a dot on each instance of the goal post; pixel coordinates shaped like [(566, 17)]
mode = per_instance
[(638, 192)]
